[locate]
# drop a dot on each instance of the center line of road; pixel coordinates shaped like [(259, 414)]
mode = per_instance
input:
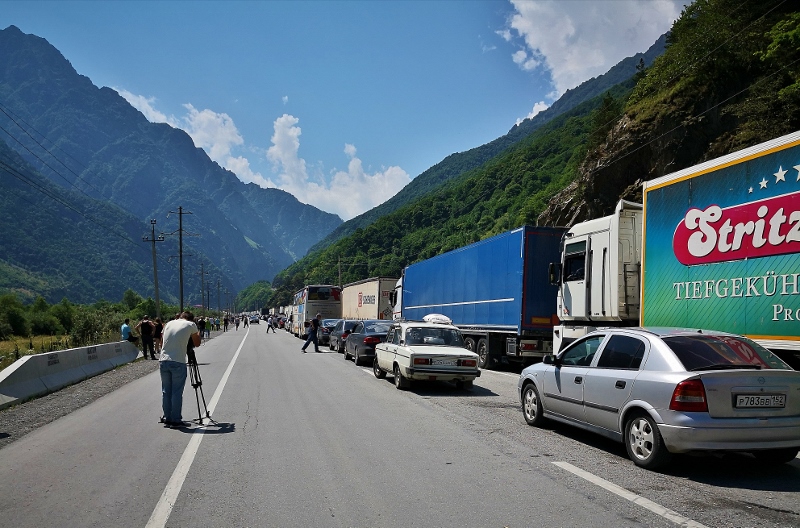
[(163, 509), (636, 499)]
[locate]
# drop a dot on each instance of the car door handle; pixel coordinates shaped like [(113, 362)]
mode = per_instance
[(619, 384), (578, 380)]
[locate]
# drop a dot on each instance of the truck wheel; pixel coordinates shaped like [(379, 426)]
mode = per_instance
[(379, 372), (469, 344), (399, 381), (644, 443), (532, 405), (483, 353)]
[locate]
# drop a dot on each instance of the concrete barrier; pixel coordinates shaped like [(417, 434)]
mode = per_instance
[(41, 374)]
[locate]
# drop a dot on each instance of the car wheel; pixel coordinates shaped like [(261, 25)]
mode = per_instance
[(464, 385), (469, 344), (483, 353), (532, 405), (644, 443), (776, 456), (330, 345), (355, 357), (399, 381), (379, 372), (346, 355)]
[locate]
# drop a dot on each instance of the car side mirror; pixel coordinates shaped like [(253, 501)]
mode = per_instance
[(550, 359)]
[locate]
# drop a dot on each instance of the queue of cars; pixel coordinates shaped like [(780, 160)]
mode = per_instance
[(659, 391)]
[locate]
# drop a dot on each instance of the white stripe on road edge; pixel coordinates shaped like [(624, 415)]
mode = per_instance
[(164, 507), (636, 499)]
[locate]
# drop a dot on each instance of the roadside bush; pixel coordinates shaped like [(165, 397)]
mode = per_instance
[(43, 323)]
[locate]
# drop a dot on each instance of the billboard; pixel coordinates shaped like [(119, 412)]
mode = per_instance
[(722, 244)]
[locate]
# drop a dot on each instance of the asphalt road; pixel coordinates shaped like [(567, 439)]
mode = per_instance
[(312, 440)]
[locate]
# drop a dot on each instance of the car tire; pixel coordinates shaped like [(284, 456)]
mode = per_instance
[(356, 361), (399, 381), (464, 385), (532, 405), (644, 443), (379, 372), (483, 353), (346, 355), (776, 456), (469, 344), (330, 345)]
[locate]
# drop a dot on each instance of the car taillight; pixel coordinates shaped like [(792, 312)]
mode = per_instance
[(371, 340), (422, 361), (468, 363), (689, 396)]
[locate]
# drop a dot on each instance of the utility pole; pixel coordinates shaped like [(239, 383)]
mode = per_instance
[(203, 274), (153, 238), (180, 214), (219, 309)]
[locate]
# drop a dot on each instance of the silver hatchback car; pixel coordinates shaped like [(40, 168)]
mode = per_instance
[(662, 391)]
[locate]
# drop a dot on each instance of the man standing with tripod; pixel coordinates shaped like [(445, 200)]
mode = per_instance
[(180, 334)]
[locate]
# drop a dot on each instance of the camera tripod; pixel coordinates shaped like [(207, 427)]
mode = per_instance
[(197, 384)]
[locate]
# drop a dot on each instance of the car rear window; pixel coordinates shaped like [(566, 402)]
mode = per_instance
[(704, 352)]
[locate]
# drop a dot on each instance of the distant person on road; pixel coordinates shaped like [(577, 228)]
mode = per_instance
[(158, 331), (312, 334), (201, 327), (236, 322), (225, 323), (270, 322), (146, 329), (246, 320), (179, 334)]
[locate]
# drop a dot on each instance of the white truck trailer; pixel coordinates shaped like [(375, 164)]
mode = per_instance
[(368, 298)]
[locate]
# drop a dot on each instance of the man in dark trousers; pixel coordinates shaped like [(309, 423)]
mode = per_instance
[(145, 328), (312, 334)]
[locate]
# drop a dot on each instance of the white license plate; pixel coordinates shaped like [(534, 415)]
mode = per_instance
[(444, 361), (750, 401)]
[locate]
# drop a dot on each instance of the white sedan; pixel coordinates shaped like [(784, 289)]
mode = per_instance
[(425, 351)]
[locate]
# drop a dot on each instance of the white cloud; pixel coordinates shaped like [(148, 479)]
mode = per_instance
[(348, 194), (145, 106), (285, 99), (578, 40), (215, 133), (541, 106)]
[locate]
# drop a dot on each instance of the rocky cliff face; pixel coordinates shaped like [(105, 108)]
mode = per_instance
[(727, 81)]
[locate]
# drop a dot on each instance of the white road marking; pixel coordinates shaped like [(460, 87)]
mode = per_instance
[(160, 515), (636, 499)]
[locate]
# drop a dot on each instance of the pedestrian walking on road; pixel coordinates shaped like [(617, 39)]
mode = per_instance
[(179, 335), (146, 329), (236, 322), (246, 320), (312, 334), (270, 322), (201, 327), (225, 323)]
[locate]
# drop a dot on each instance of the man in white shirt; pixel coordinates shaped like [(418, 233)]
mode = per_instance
[(178, 335)]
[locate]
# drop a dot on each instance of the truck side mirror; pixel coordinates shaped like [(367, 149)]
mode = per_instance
[(392, 297), (552, 273)]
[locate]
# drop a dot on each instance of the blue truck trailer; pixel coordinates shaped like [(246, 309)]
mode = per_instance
[(497, 291)]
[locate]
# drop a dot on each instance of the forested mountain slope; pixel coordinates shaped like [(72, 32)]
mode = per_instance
[(91, 140)]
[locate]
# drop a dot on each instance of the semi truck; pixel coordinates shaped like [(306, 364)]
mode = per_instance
[(714, 246), (368, 298), (496, 291)]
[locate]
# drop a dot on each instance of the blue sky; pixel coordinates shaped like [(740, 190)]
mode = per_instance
[(342, 103)]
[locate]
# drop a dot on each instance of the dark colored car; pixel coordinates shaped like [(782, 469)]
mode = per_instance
[(360, 344), (339, 334), (324, 332)]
